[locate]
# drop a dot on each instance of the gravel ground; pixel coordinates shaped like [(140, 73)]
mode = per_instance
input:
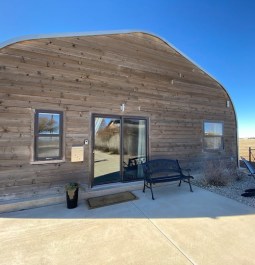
[(233, 190)]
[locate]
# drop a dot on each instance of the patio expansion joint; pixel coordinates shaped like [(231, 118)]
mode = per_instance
[(170, 242)]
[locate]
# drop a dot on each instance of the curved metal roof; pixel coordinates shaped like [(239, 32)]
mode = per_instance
[(97, 33)]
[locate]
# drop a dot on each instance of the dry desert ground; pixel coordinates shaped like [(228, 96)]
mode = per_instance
[(244, 144)]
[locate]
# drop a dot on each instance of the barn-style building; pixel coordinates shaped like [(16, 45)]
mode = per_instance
[(90, 108)]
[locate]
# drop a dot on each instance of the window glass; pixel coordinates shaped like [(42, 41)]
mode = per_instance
[(48, 123), (134, 147), (48, 147), (48, 135), (212, 143), (212, 128), (213, 135)]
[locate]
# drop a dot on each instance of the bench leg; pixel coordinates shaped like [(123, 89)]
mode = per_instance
[(188, 181), (180, 183), (152, 196), (150, 187), (190, 186)]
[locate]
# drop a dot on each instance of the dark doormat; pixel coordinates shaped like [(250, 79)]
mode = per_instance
[(111, 199)]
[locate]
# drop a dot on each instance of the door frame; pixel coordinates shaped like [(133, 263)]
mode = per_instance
[(121, 117)]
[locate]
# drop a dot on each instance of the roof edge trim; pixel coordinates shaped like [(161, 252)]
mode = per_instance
[(96, 33), (63, 35)]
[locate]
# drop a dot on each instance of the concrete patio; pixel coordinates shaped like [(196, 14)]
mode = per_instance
[(179, 227)]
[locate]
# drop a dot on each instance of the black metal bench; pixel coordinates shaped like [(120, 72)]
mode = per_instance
[(163, 170)]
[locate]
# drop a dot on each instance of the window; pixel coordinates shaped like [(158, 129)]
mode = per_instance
[(48, 135), (213, 135)]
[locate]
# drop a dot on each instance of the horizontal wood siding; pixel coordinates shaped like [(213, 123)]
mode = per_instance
[(95, 74)]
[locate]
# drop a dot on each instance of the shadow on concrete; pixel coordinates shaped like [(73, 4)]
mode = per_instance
[(170, 202)]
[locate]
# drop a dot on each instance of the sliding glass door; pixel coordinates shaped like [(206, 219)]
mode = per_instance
[(119, 148), (134, 147), (106, 150)]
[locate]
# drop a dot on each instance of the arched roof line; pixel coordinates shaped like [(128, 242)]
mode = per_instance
[(97, 33)]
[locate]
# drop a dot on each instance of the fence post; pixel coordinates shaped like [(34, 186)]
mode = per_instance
[(250, 154)]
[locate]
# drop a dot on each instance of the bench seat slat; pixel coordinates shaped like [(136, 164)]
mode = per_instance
[(167, 179)]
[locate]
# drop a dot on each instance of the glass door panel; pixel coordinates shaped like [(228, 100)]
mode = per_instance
[(134, 148), (106, 150)]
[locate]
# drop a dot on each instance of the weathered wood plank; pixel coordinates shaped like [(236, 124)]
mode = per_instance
[(95, 74)]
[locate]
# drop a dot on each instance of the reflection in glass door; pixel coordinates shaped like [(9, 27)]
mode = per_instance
[(119, 149), (106, 150), (134, 148)]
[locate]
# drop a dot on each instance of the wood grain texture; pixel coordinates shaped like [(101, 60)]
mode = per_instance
[(95, 74)]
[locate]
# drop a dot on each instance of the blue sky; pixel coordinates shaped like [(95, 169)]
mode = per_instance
[(218, 35)]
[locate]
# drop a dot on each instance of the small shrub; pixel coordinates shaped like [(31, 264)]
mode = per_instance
[(219, 173)]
